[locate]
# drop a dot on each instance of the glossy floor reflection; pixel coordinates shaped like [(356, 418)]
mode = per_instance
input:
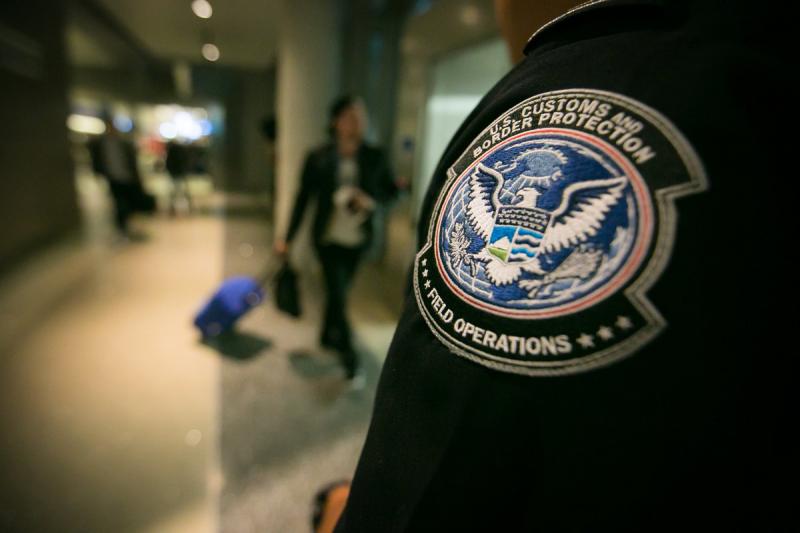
[(114, 416), (108, 405)]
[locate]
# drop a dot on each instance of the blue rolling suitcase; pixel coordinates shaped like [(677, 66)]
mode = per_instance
[(234, 298)]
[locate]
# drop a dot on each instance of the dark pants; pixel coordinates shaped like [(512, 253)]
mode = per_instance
[(180, 187), (338, 266), (124, 196)]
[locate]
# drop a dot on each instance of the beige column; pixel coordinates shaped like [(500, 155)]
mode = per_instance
[(309, 64)]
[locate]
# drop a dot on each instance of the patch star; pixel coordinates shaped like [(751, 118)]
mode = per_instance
[(425, 273), (605, 332), (427, 284), (425, 261), (624, 322), (587, 341)]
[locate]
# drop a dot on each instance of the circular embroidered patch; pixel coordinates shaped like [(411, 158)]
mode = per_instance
[(549, 230)]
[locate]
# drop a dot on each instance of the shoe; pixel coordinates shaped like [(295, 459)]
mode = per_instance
[(357, 381)]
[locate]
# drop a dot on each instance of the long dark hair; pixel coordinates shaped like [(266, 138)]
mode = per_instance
[(339, 106)]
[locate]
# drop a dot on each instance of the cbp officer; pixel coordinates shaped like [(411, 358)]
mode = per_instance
[(587, 341)]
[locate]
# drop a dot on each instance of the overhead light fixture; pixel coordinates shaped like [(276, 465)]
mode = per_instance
[(123, 123), (168, 130), (210, 52), (202, 8), (86, 124), (470, 15)]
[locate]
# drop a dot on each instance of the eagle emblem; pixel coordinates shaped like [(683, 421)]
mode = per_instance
[(548, 231), (532, 226), (518, 233)]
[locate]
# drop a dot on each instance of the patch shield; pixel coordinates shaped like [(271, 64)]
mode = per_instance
[(550, 229)]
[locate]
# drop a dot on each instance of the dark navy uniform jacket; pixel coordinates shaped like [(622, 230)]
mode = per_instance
[(591, 337)]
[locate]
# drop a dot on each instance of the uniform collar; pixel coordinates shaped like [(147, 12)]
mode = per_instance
[(585, 7)]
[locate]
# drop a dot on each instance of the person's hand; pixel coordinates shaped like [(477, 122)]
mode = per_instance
[(281, 248), (362, 202)]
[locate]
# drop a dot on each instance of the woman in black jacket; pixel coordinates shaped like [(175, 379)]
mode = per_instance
[(347, 179)]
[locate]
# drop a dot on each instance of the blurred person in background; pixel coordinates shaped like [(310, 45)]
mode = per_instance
[(347, 179), (114, 157), (577, 352), (178, 162)]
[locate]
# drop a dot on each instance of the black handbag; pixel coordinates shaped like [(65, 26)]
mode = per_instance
[(287, 295)]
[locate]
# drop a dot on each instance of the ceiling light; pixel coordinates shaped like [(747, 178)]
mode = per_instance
[(168, 130), (202, 8), (210, 52), (85, 124), (470, 15), (123, 123)]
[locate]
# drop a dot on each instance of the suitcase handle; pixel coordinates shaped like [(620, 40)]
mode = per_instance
[(268, 275)]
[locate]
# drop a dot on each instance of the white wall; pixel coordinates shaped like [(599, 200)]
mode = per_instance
[(457, 83)]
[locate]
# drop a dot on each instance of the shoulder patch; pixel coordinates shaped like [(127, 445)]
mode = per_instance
[(549, 231)]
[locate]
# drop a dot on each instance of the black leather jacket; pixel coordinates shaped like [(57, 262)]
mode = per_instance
[(319, 182)]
